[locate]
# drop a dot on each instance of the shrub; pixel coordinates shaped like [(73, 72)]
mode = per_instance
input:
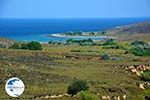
[(140, 51), (30, 46), (112, 47), (105, 56), (75, 50), (146, 75), (50, 42), (68, 33), (34, 46), (137, 43), (140, 48), (91, 33), (77, 86), (24, 46), (54, 43), (69, 41), (84, 42), (86, 95), (110, 42), (103, 33), (73, 33), (77, 33), (15, 46)]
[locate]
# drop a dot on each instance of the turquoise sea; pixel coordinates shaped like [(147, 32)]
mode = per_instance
[(37, 29)]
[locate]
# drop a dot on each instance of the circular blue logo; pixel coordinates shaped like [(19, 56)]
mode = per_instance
[(14, 87)]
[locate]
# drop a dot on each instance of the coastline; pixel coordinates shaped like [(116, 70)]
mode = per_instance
[(62, 35)]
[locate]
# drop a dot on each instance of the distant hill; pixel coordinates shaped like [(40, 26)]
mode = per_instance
[(136, 28), (138, 31)]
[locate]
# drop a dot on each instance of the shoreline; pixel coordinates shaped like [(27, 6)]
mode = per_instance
[(62, 35)]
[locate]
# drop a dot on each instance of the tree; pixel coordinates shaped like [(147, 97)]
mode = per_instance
[(77, 86), (34, 46)]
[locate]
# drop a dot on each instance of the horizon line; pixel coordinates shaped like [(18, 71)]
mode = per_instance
[(76, 17)]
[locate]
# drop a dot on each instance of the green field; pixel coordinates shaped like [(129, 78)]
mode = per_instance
[(50, 71)]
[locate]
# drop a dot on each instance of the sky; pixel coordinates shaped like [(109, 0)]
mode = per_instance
[(74, 8)]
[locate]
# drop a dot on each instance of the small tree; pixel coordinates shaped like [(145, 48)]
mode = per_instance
[(34, 45), (77, 86)]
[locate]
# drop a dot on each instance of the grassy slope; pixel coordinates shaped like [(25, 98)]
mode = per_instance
[(49, 72)]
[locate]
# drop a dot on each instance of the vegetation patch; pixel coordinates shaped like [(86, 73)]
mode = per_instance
[(87, 95), (29, 46), (140, 48), (77, 86), (110, 42), (105, 57), (146, 75)]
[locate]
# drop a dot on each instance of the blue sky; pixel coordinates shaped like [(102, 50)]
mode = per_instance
[(74, 8)]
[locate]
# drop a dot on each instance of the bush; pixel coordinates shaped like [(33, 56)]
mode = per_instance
[(146, 75), (140, 48), (86, 95), (15, 46), (75, 50), (30, 46), (34, 46), (73, 33), (110, 42), (140, 51), (103, 33), (105, 56), (112, 47), (77, 86), (137, 43), (84, 42), (54, 43), (24, 46)]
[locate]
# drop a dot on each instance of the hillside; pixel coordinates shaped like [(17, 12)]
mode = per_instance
[(138, 31), (143, 27), (137, 28)]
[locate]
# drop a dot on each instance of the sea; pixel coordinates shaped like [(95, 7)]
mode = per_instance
[(39, 29)]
